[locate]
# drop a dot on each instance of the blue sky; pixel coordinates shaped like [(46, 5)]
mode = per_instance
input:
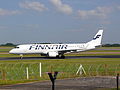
[(38, 21)]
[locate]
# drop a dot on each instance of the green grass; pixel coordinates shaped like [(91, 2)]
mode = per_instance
[(5, 49), (104, 51), (14, 55), (67, 68), (82, 61), (65, 65), (109, 47)]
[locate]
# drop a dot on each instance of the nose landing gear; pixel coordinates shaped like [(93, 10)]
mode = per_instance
[(21, 56)]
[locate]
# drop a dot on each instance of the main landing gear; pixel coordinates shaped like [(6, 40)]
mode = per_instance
[(61, 56)]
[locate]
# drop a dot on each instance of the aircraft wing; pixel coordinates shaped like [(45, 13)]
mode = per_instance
[(69, 51)]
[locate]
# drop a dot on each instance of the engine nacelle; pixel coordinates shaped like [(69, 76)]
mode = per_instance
[(53, 54)]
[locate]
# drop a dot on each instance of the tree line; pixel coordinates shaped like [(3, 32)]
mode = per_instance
[(111, 45), (8, 44)]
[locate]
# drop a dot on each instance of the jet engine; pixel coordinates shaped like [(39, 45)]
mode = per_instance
[(53, 54)]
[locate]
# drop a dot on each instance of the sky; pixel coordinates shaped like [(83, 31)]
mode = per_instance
[(58, 21)]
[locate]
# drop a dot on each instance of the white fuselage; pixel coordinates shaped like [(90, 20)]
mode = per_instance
[(45, 48)]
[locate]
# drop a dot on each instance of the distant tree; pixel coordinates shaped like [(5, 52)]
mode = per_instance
[(106, 45), (8, 44), (116, 45), (111, 45)]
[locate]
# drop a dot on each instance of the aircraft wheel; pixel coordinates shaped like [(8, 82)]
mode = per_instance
[(62, 56)]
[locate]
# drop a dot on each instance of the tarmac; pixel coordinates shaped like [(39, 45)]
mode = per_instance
[(67, 57), (88, 83)]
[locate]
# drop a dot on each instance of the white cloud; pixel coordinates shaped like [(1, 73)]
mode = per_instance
[(37, 6), (101, 12), (4, 12), (64, 8)]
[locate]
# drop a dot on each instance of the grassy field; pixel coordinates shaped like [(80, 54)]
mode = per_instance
[(67, 68), (13, 71)]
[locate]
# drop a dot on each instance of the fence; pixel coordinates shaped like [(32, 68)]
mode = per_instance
[(31, 71)]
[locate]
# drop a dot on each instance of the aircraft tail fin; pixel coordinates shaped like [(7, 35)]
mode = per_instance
[(97, 39)]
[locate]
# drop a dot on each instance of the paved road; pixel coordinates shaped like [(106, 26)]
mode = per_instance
[(89, 83), (67, 57)]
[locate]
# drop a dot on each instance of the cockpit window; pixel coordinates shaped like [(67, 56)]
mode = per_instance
[(17, 47)]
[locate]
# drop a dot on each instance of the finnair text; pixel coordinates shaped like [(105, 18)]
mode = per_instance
[(45, 46)]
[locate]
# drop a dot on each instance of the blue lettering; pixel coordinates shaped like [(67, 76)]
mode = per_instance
[(66, 46), (59, 46), (47, 46), (31, 47), (96, 37), (41, 47), (55, 46), (36, 47)]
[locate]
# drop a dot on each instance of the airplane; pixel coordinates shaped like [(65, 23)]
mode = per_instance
[(58, 50)]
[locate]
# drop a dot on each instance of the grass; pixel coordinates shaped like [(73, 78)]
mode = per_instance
[(5, 49), (13, 55), (66, 67)]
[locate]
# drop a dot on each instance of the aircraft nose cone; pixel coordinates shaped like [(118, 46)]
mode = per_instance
[(11, 51)]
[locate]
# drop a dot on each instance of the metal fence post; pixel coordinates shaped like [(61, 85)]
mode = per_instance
[(117, 81), (3, 75), (27, 72), (40, 69), (53, 78)]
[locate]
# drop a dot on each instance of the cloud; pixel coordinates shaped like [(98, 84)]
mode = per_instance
[(4, 12), (64, 8), (100, 12), (37, 6)]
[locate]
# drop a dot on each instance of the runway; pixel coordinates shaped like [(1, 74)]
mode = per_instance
[(67, 57)]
